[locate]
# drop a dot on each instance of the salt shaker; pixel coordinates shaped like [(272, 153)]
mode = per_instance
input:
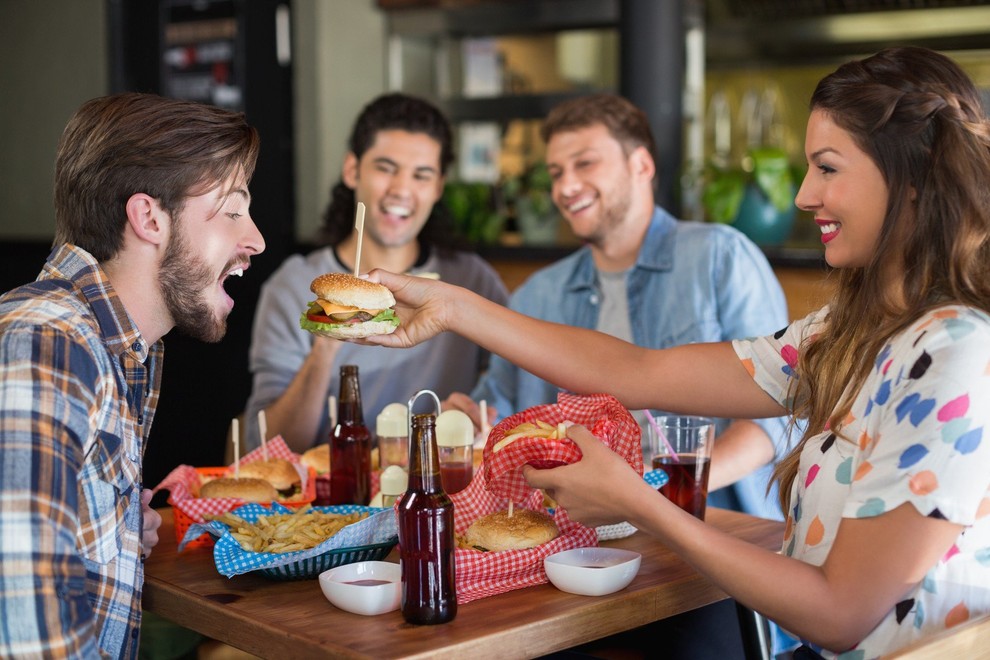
[(394, 482)]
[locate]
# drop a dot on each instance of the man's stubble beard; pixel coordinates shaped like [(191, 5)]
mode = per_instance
[(182, 280)]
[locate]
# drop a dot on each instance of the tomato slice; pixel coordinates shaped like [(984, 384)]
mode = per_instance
[(319, 318)]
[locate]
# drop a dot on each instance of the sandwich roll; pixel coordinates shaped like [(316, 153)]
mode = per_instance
[(348, 307), (498, 531), (248, 489)]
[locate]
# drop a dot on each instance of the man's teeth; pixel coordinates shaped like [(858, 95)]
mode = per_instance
[(237, 271), (398, 210), (829, 228), (579, 205)]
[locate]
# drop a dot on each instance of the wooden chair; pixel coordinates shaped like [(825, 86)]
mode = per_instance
[(970, 640)]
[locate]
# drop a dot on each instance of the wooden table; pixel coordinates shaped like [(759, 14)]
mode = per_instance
[(284, 620)]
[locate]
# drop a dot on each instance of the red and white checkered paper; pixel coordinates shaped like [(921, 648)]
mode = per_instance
[(183, 482), (604, 416), (482, 574)]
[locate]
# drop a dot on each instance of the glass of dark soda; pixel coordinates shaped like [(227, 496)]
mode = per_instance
[(681, 446)]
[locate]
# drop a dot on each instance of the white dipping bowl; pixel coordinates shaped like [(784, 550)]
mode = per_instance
[(341, 586), (592, 571)]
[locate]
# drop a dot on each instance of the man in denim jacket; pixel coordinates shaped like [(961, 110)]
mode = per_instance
[(647, 278)]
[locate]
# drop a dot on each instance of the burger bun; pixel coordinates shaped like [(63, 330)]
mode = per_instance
[(351, 291), (279, 472), (355, 330), (318, 458), (247, 489), (498, 531)]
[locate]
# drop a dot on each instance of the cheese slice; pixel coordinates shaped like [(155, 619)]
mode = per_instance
[(330, 308)]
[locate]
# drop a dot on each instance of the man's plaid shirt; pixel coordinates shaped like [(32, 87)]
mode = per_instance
[(78, 390)]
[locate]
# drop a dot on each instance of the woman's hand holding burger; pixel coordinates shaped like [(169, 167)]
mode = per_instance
[(600, 489), (424, 307)]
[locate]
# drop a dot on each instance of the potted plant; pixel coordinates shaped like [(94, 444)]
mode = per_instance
[(528, 195), (757, 198)]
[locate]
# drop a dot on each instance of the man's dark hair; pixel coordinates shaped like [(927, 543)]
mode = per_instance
[(399, 112)]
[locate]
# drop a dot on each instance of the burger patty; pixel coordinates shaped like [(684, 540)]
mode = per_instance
[(351, 317)]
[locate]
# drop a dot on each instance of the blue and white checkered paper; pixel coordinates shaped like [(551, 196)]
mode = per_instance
[(231, 559)]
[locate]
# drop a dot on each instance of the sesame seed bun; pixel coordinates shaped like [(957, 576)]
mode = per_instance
[(318, 458), (344, 289), (247, 489), (525, 529), (279, 472)]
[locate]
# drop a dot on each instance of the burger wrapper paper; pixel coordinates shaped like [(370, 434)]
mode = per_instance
[(183, 483), (481, 574), (231, 559)]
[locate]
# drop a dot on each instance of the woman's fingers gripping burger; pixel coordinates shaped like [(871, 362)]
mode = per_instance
[(422, 306), (600, 489)]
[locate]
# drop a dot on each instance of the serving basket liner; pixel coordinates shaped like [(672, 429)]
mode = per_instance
[(606, 418), (377, 532), (482, 574), (183, 482)]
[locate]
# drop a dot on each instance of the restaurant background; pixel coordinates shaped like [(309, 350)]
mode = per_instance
[(302, 69)]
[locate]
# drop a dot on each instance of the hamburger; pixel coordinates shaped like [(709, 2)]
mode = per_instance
[(498, 531), (348, 307), (247, 489), (278, 472), (318, 458)]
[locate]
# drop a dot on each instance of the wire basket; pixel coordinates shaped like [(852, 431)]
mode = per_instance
[(306, 569)]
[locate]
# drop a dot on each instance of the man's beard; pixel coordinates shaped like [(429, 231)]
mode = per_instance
[(182, 280)]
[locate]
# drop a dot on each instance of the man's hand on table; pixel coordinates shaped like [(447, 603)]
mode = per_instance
[(152, 521)]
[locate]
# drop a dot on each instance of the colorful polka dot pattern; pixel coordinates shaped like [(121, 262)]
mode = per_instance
[(915, 434)]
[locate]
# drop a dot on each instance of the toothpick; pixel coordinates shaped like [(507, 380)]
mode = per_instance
[(332, 409), (263, 432), (235, 436), (510, 508), (359, 225)]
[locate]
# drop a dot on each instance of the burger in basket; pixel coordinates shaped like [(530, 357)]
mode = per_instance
[(348, 307), (248, 489), (280, 473), (499, 531)]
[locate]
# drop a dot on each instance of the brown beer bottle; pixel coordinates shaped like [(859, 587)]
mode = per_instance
[(426, 533), (350, 445)]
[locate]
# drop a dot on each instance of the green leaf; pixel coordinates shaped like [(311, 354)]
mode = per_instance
[(723, 195), (773, 175)]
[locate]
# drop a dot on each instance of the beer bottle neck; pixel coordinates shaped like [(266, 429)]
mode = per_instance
[(349, 407), (424, 458)]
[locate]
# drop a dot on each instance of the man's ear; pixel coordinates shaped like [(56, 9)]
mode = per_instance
[(147, 219), (349, 173), (642, 163)]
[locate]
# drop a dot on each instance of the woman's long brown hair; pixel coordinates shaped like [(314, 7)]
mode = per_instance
[(917, 115)]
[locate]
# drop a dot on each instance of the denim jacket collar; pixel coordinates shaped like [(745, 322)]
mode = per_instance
[(656, 253)]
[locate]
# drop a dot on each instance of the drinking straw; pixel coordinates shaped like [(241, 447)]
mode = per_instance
[(359, 225), (663, 438), (484, 418), (235, 436), (263, 432)]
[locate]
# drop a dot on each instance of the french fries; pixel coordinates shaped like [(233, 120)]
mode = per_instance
[(536, 429), (286, 532)]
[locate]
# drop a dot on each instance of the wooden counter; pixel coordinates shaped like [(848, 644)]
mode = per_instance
[(293, 619)]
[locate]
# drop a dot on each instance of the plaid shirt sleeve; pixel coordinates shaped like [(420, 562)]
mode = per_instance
[(48, 394)]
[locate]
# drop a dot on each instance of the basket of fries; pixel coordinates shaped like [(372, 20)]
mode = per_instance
[(184, 481), (286, 544)]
